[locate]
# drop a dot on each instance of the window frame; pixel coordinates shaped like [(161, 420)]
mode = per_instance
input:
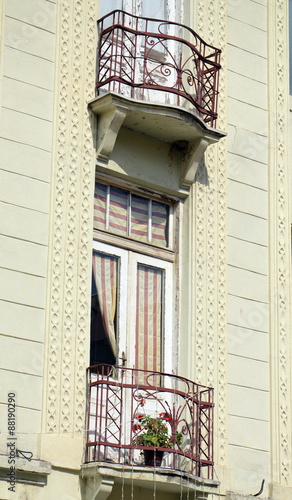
[(130, 243), (128, 262)]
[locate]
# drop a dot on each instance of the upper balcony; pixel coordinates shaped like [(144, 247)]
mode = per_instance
[(158, 62), (141, 419)]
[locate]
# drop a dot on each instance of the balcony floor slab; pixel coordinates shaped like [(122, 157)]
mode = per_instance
[(171, 481)]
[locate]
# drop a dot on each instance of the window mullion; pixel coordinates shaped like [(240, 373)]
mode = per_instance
[(107, 208), (170, 227), (149, 221), (129, 213)]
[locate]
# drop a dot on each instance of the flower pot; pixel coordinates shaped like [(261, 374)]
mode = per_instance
[(153, 458)]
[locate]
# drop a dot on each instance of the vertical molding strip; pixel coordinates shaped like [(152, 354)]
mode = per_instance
[(279, 243), (86, 220), (221, 319), (200, 257), (69, 275), (211, 234)]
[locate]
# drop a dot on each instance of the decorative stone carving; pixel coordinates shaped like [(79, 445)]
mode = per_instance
[(210, 227), (280, 261), (70, 218)]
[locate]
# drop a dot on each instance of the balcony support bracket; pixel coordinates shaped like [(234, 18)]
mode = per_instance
[(190, 161), (96, 487), (109, 122)]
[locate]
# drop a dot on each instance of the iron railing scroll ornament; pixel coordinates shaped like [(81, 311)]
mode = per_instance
[(140, 58), (122, 401)]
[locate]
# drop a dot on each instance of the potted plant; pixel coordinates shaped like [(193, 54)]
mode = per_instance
[(154, 433)]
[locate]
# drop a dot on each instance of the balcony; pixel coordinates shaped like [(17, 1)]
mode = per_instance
[(155, 80), (159, 62), (126, 404)]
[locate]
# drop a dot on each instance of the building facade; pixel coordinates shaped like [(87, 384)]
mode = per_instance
[(151, 231)]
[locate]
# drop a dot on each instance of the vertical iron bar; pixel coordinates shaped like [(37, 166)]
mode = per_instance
[(96, 411), (122, 51), (88, 418)]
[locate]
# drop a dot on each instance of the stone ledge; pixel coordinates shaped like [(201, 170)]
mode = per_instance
[(27, 471)]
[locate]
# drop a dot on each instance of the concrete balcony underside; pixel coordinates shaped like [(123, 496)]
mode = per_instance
[(179, 127), (100, 478)]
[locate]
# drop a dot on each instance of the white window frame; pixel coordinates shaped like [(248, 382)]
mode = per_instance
[(163, 252), (127, 300)]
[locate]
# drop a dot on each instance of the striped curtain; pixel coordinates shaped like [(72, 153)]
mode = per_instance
[(149, 318), (159, 223), (139, 219), (99, 216), (118, 211), (105, 275)]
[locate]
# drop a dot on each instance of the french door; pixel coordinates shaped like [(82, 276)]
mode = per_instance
[(133, 314)]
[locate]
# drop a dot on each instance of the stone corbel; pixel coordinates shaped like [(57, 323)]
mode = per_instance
[(97, 488), (190, 161), (108, 127), (110, 118)]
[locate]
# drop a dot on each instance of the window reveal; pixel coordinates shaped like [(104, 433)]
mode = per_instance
[(127, 214)]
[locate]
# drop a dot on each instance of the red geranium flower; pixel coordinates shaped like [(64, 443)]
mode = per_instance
[(140, 417), (165, 416), (136, 428)]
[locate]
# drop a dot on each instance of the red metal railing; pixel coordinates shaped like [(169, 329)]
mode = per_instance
[(119, 400), (140, 57)]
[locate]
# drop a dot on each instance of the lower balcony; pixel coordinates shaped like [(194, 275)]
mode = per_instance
[(140, 421)]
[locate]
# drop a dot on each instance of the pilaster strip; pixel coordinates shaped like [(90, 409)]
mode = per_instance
[(280, 260), (86, 221), (73, 167), (211, 161), (55, 283), (68, 289), (200, 256), (221, 244), (211, 267)]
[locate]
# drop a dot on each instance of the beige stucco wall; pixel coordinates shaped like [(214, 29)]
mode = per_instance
[(234, 311), (27, 80), (247, 243)]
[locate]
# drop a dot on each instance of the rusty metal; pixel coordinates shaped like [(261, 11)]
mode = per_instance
[(118, 399), (139, 56)]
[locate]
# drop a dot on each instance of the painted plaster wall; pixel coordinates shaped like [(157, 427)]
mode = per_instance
[(27, 78), (27, 67), (247, 246)]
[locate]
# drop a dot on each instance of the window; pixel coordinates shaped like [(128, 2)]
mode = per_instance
[(126, 214), (131, 291)]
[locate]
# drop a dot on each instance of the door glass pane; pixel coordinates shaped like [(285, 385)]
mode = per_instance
[(104, 309), (154, 9), (105, 7), (149, 317)]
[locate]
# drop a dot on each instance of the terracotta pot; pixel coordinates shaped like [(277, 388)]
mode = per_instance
[(153, 458)]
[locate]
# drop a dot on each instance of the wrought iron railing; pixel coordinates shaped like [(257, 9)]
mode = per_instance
[(125, 404), (141, 57)]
